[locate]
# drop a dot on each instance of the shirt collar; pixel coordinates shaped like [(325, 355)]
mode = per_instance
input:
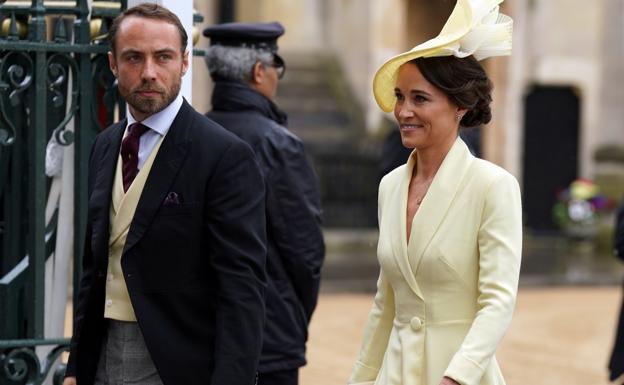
[(160, 121)]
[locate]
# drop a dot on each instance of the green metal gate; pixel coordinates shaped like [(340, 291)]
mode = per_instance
[(53, 69)]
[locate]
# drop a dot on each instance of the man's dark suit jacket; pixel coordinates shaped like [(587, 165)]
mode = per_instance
[(616, 362), (195, 271)]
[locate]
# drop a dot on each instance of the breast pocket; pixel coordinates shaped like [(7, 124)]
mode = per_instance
[(180, 209)]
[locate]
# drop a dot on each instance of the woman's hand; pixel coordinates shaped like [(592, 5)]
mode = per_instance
[(69, 381), (449, 381)]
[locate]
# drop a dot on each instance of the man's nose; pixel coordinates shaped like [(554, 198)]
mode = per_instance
[(149, 69)]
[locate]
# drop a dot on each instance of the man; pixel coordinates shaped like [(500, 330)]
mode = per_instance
[(174, 261), (245, 66), (616, 361)]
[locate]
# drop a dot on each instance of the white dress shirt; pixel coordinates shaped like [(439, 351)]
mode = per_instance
[(158, 123)]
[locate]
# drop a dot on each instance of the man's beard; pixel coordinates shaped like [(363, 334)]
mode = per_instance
[(150, 106)]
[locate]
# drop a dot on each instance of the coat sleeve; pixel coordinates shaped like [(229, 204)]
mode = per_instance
[(378, 326), (236, 238), (294, 219), (86, 279), (376, 335), (500, 248)]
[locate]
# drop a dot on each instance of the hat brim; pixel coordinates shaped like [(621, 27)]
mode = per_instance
[(463, 18)]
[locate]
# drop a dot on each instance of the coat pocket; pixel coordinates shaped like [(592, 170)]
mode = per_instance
[(179, 209)]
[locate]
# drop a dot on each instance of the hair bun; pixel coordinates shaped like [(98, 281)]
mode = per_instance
[(479, 115)]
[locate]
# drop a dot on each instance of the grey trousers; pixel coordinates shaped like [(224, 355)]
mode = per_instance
[(124, 359)]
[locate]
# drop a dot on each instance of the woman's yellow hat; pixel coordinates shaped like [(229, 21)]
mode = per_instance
[(475, 27)]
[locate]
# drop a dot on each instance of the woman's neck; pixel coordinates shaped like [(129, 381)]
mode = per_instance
[(429, 160)]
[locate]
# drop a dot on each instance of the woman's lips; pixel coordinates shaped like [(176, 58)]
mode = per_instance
[(410, 126)]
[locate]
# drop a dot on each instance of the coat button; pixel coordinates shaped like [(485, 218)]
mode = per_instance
[(416, 324)]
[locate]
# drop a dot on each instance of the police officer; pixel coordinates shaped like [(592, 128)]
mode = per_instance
[(244, 64)]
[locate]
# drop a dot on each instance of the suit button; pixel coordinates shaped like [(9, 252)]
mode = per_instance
[(416, 324)]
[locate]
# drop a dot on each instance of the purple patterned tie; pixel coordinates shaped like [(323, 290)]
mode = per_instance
[(130, 153)]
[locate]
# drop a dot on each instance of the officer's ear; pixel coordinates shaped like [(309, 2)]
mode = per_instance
[(258, 73)]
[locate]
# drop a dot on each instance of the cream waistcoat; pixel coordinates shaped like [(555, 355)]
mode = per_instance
[(123, 205)]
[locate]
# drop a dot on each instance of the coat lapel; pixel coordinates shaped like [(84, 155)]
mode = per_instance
[(100, 199), (399, 231), (164, 170), (438, 199)]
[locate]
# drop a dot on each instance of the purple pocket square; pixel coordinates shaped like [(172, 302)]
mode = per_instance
[(172, 199)]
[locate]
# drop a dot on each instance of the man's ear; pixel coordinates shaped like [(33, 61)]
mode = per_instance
[(112, 63), (185, 62), (258, 73)]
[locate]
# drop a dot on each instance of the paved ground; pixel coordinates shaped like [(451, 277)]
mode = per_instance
[(558, 336)]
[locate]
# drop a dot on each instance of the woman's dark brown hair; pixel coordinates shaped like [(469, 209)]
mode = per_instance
[(464, 81)]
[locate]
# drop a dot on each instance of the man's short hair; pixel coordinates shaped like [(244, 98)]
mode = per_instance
[(235, 63), (149, 11)]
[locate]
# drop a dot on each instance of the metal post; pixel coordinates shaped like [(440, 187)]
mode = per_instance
[(36, 175)]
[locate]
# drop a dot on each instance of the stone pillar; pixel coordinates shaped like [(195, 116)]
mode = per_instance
[(609, 145), (202, 92), (502, 138), (612, 77)]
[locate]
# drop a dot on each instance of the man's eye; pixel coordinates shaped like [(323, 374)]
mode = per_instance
[(164, 57)]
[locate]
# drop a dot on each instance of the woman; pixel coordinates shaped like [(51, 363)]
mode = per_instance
[(450, 224)]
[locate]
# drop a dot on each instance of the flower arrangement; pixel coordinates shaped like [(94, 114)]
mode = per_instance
[(579, 207)]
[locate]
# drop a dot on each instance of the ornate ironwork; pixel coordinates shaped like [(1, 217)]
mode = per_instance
[(16, 76), (58, 77), (48, 77), (20, 364), (46, 81), (105, 85)]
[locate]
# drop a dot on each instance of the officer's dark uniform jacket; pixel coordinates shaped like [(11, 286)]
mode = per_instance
[(295, 242)]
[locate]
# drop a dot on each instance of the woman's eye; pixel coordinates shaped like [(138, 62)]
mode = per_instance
[(399, 97), (419, 99)]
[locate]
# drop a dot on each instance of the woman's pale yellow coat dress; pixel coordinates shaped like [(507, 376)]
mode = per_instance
[(445, 299)]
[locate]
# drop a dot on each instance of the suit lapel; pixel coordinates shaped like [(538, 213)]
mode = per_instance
[(100, 199), (164, 170), (438, 199)]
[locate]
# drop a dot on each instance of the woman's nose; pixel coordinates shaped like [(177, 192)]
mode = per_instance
[(405, 112)]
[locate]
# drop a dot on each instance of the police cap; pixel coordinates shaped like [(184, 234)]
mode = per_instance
[(249, 35)]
